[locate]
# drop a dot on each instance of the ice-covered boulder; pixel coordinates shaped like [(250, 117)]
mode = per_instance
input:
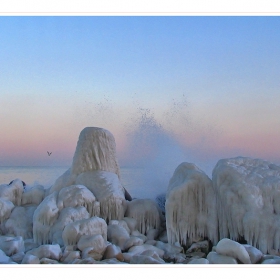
[(190, 206), (33, 195), (20, 222), (146, 212), (12, 192), (117, 235), (11, 245), (73, 232), (108, 190), (6, 207), (44, 217), (78, 195), (248, 201), (233, 249), (46, 251), (66, 216), (95, 150), (215, 258)]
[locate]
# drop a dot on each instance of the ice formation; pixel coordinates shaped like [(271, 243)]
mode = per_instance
[(146, 212), (6, 207), (248, 201), (78, 195), (190, 206), (44, 217), (96, 150), (33, 195), (12, 192), (66, 216), (73, 232), (20, 222), (108, 190)]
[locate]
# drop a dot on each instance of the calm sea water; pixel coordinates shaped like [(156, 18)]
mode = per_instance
[(132, 178)]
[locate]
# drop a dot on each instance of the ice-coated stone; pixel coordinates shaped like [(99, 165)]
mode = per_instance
[(4, 259), (146, 212), (136, 250), (73, 232), (20, 222), (133, 241), (147, 257), (117, 235), (18, 257), (78, 195), (12, 192), (69, 256), (66, 216), (199, 261), (95, 150), (44, 217), (215, 258), (202, 246), (29, 244), (30, 259), (33, 195), (11, 245), (248, 201), (131, 223), (46, 251), (108, 190), (95, 242), (6, 207), (233, 249), (113, 251), (254, 253), (48, 261), (190, 206), (169, 248)]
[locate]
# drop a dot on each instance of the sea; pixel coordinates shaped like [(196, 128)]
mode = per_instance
[(132, 179)]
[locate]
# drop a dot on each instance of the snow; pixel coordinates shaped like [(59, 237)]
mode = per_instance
[(190, 206)]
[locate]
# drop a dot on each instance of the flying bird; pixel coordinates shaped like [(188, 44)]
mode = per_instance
[(49, 153)]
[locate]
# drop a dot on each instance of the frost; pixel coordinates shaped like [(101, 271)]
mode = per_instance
[(190, 206)]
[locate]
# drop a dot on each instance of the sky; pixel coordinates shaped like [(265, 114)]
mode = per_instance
[(186, 88)]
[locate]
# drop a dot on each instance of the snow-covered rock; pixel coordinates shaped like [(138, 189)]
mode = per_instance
[(248, 201), (190, 206), (146, 212)]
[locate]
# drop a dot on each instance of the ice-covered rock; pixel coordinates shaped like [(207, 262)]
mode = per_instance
[(11, 245), (78, 195), (169, 248), (108, 190), (254, 253), (73, 232), (44, 217), (190, 206), (33, 195), (4, 259), (6, 207), (12, 192), (46, 251), (199, 261), (95, 242), (117, 235), (30, 259), (146, 212), (248, 201), (113, 251), (215, 258), (96, 150), (137, 250), (69, 256), (20, 222), (147, 257), (233, 249), (66, 216)]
